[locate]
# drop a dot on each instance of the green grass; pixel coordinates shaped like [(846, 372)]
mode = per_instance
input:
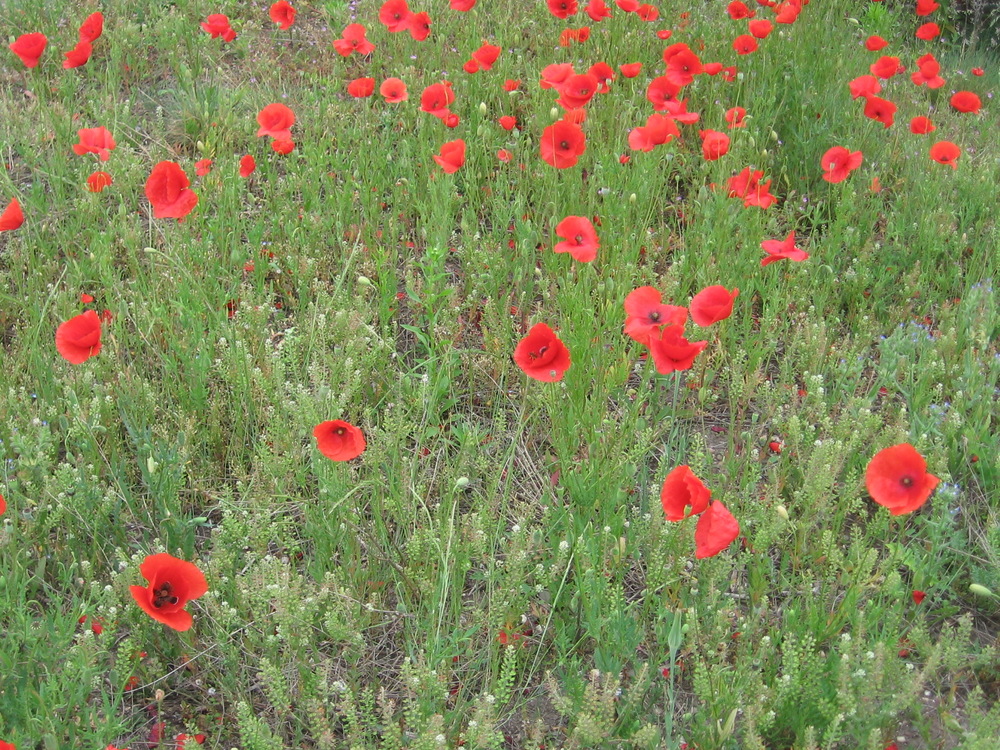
[(366, 604)]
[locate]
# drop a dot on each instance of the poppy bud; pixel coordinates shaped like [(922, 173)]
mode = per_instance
[(200, 146), (783, 512), (483, 109), (461, 483), (364, 281), (554, 113), (774, 136), (633, 198), (979, 590)]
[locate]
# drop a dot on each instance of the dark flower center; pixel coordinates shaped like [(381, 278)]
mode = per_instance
[(162, 595), (564, 145), (906, 481), (654, 316), (340, 430)]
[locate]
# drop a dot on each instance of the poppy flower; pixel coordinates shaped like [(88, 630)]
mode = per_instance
[(282, 13), (921, 125), (172, 584), (353, 40), (202, 167), (881, 110), (98, 181), (712, 304), (787, 12), (965, 101), (716, 530), (645, 314), (217, 25), (393, 90), (897, 478), (918, 596), (886, 67), (671, 351), (744, 44), (946, 152), (247, 166), (487, 55), (926, 7), (760, 29), (511, 84), (838, 163), (29, 47), (12, 216), (95, 141), (419, 26), (436, 98), (660, 91), (92, 27), (597, 10), (577, 91), (562, 144), (339, 440), (928, 31), (78, 56), (275, 120), (629, 6), (3, 509), (647, 12), (714, 144), (604, 74), (504, 155), (579, 238), (79, 338), (866, 85), (630, 70), (978, 72), (782, 250), (283, 146), (735, 117), (542, 355), (562, 8), (168, 193), (394, 15), (682, 64), (874, 43), (747, 185), (508, 122), (361, 88), (738, 11), (462, 5), (683, 490), (7, 745), (553, 76), (452, 156)]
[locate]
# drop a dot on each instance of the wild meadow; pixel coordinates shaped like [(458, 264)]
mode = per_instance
[(499, 374)]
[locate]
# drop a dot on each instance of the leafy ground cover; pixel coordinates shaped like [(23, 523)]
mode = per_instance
[(350, 397)]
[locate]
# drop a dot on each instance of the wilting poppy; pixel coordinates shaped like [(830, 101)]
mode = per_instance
[(712, 304), (419, 26), (393, 90), (645, 314), (511, 84), (782, 250), (97, 141), (12, 216), (735, 117), (682, 490), (671, 351), (29, 47), (98, 181), (217, 25), (921, 125), (282, 13), (562, 144), (78, 56), (361, 88), (716, 530), (714, 144), (542, 355), (928, 31), (504, 155), (283, 146), (881, 110), (562, 8), (168, 193), (838, 163), (897, 478), (247, 166), (92, 27), (339, 440), (79, 338), (965, 101), (275, 120), (394, 15), (579, 238), (451, 157), (202, 167), (172, 584), (946, 152), (352, 40), (978, 72)]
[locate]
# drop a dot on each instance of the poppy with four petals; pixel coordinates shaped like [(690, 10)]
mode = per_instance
[(172, 584), (712, 304), (282, 13), (168, 193), (579, 238), (646, 314), (275, 120), (542, 355), (838, 163), (339, 440), (451, 157), (897, 479), (29, 48), (79, 338), (562, 144)]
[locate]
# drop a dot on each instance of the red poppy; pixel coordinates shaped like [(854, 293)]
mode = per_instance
[(921, 125), (886, 67), (712, 304), (927, 72), (542, 355), (875, 43), (744, 44), (98, 181), (419, 26), (508, 122), (79, 338), (463, 5), (918, 596), (202, 167), (716, 530), (86, 298), (597, 10), (760, 29), (735, 117), (979, 72), (714, 144), (897, 478), (881, 110), (29, 47), (562, 8), (747, 185), (436, 99), (738, 11), (247, 166), (787, 12), (671, 351), (946, 152), (487, 55), (7, 745), (926, 7), (217, 25), (683, 490), (838, 163), (3, 509), (95, 141), (965, 101), (282, 13), (172, 584), (452, 156), (928, 31), (562, 144), (353, 40), (394, 15), (577, 91), (339, 440), (92, 27), (629, 6), (505, 156), (168, 193), (604, 74), (660, 91), (361, 88), (275, 120), (645, 314), (78, 56), (782, 250), (630, 70), (393, 90), (283, 146), (12, 216), (511, 84), (579, 238), (866, 85), (554, 75), (682, 64)]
